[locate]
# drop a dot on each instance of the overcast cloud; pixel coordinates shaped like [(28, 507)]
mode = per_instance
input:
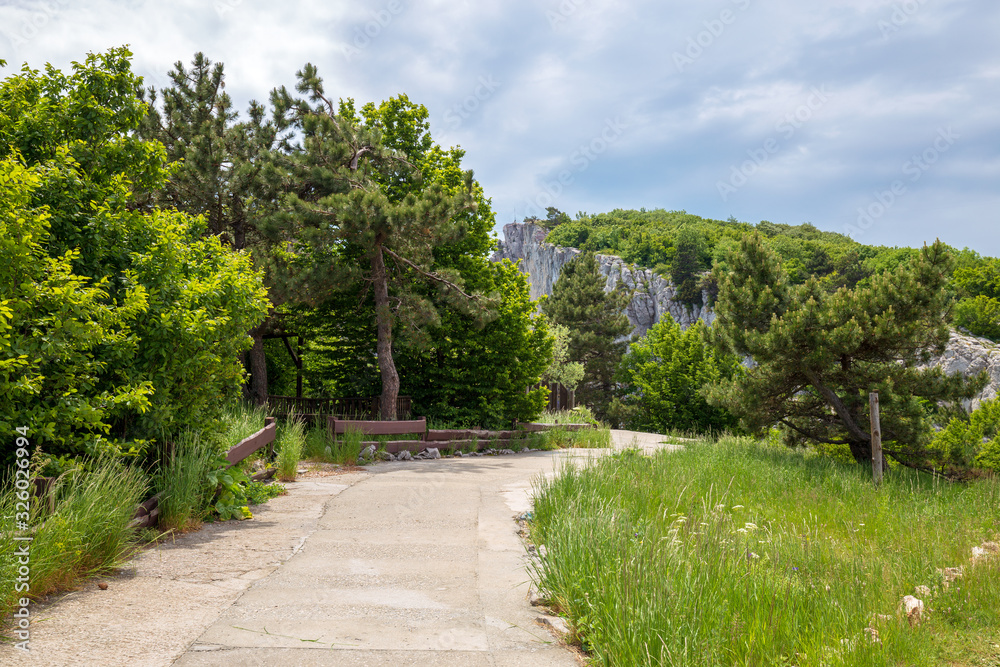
[(876, 118)]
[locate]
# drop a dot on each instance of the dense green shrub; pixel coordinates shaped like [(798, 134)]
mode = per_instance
[(976, 439), (661, 379), (980, 315), (978, 311), (63, 340), (118, 325)]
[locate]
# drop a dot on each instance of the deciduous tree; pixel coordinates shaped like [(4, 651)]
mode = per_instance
[(662, 380)]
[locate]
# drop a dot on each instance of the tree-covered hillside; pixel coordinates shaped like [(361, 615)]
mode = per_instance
[(684, 247)]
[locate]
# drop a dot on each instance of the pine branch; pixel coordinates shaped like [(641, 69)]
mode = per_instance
[(432, 276), (810, 435)]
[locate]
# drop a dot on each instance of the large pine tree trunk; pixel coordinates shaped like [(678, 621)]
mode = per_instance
[(861, 451), (258, 368), (383, 321)]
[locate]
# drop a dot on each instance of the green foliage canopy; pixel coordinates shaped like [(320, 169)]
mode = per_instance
[(128, 325), (979, 308), (975, 439)]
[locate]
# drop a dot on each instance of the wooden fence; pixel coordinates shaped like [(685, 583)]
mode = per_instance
[(560, 398)]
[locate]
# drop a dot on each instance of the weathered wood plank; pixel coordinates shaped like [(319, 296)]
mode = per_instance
[(402, 427), (248, 446)]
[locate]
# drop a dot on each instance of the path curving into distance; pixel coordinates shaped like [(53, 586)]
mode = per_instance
[(411, 563)]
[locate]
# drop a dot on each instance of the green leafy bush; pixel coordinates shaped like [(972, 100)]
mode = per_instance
[(980, 315), (662, 376), (61, 335), (117, 325), (976, 439), (229, 501), (258, 493)]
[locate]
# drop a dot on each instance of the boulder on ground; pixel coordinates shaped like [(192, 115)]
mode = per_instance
[(912, 608)]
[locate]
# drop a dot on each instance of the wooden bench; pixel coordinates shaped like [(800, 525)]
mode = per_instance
[(402, 427)]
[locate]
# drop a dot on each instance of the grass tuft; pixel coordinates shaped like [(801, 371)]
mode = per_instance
[(183, 482), (87, 533), (289, 443)]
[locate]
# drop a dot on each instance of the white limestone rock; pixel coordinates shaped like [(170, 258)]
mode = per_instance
[(542, 262), (969, 355)]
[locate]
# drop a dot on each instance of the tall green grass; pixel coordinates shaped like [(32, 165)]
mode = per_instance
[(741, 554), (289, 443), (240, 421), (578, 415), (343, 451), (88, 531), (182, 482), (560, 438)]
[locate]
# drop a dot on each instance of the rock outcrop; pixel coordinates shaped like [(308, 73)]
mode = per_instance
[(524, 244), (969, 355)]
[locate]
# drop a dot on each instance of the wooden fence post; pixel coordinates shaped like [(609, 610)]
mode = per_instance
[(876, 438)]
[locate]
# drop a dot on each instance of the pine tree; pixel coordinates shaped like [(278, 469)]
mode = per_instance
[(597, 323), (349, 217), (685, 270), (216, 168), (819, 354)]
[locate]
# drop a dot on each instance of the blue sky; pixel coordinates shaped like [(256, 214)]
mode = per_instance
[(869, 117)]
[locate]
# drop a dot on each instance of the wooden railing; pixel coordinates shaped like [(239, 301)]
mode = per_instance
[(258, 440)]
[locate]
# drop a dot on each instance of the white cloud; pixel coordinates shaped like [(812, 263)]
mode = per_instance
[(560, 80)]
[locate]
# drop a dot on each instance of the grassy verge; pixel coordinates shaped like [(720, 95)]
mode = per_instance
[(87, 533), (343, 451), (561, 438), (739, 553)]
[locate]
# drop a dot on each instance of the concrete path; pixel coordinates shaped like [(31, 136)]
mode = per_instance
[(402, 564)]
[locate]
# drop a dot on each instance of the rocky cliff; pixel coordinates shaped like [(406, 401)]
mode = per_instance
[(525, 245), (970, 355)]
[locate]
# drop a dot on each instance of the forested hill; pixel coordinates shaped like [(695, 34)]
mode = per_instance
[(683, 246)]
